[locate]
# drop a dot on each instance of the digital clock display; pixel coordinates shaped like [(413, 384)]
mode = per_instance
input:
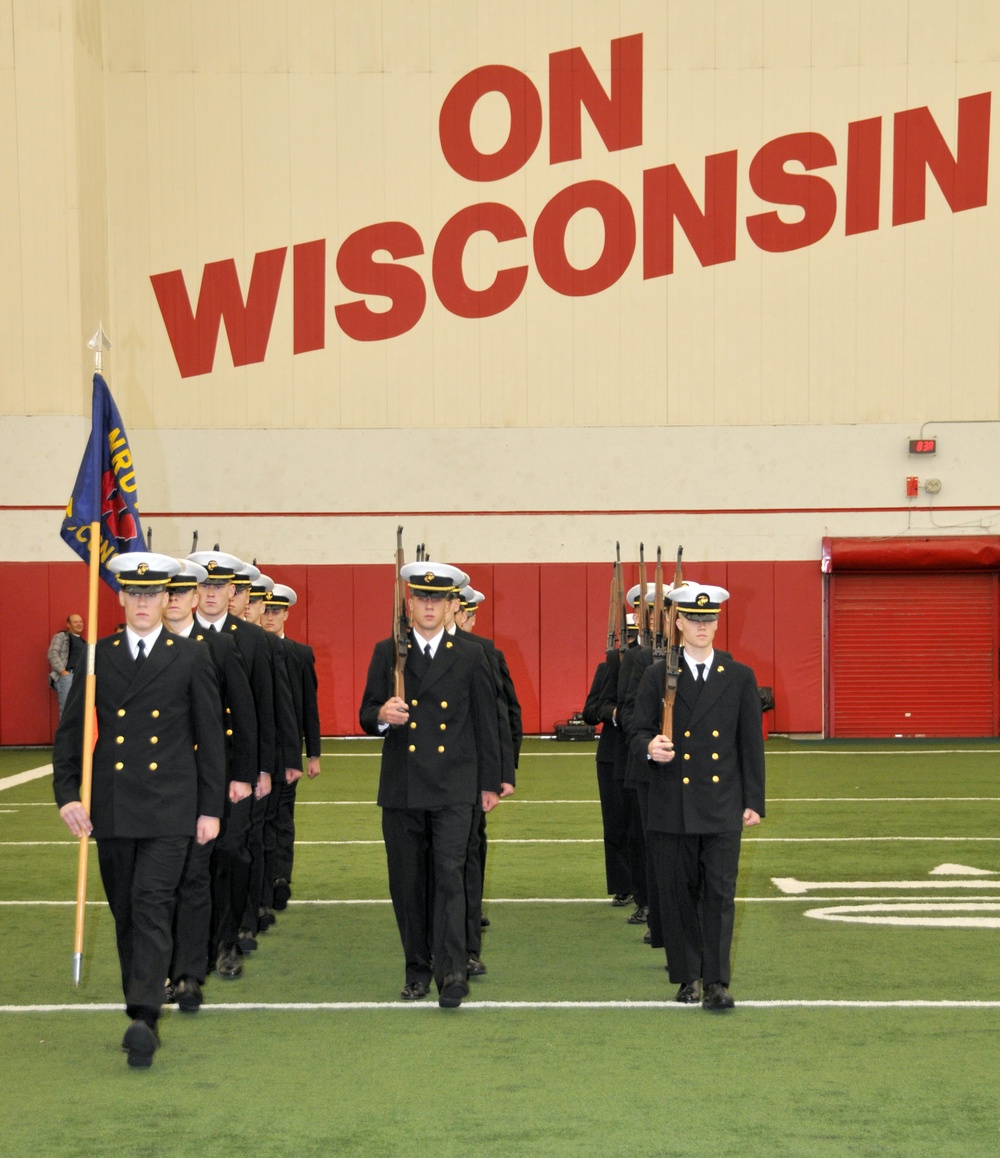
[(923, 446)]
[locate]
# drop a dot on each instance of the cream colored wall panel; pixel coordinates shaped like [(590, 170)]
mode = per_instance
[(739, 32), (13, 399), (884, 33), (978, 30), (123, 27), (6, 35), (836, 33), (314, 159), (170, 36), (264, 35), (975, 382), (687, 369), (503, 369), (407, 37), (454, 43), (358, 42), (831, 327), (788, 33), (691, 30), (538, 472), (928, 344), (549, 336), (264, 110), (785, 319), (130, 364), (881, 282), (309, 51), (174, 170), (785, 102), (217, 39), (49, 286), (739, 337), (931, 31)]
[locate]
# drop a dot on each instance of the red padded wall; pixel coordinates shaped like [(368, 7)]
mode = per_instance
[(550, 620)]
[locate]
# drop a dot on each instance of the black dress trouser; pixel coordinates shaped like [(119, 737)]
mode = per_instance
[(140, 880), (418, 841)]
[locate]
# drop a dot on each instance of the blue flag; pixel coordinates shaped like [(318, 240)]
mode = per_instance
[(105, 490)]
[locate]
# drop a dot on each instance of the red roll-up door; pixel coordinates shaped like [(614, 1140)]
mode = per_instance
[(913, 654)]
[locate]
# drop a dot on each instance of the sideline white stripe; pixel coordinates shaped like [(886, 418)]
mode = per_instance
[(503, 803), (26, 777), (667, 1003)]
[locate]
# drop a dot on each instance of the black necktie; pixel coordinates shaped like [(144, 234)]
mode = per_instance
[(214, 627), (140, 651), (700, 679), (427, 652)]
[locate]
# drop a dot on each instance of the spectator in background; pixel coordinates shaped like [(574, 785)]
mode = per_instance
[(67, 652)]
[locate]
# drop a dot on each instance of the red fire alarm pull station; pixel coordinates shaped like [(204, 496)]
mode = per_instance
[(912, 486)]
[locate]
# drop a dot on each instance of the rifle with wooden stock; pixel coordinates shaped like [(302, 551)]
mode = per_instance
[(673, 658), (620, 621), (643, 622), (400, 621)]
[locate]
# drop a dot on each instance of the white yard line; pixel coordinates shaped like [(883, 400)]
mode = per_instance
[(26, 777), (666, 1004)]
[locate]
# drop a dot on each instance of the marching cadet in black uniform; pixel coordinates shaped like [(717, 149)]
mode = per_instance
[(213, 891), (440, 759), (616, 872), (213, 614), (511, 735), (301, 665), (705, 786), (623, 805), (159, 771)]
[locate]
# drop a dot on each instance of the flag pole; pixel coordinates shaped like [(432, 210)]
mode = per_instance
[(98, 343), (87, 764)]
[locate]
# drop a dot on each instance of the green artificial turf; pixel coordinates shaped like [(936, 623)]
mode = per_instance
[(373, 1076)]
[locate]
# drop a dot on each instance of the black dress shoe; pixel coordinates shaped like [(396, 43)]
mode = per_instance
[(640, 916), (620, 900), (475, 967), (189, 996), (169, 993), (229, 963), (414, 990), (140, 1043), (689, 993), (453, 989), (484, 922), (246, 940), (265, 920), (282, 893), (717, 998), (648, 937)]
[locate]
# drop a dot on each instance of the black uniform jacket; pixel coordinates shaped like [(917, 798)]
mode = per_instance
[(718, 765), (592, 714), (508, 760), (255, 650), (638, 768), (288, 749), (449, 751), (301, 662), (159, 761), (237, 703)]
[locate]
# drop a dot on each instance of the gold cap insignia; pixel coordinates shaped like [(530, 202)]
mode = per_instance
[(212, 564), (142, 568), (702, 599), (429, 577)]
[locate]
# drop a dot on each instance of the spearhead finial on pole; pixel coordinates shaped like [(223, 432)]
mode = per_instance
[(99, 343)]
